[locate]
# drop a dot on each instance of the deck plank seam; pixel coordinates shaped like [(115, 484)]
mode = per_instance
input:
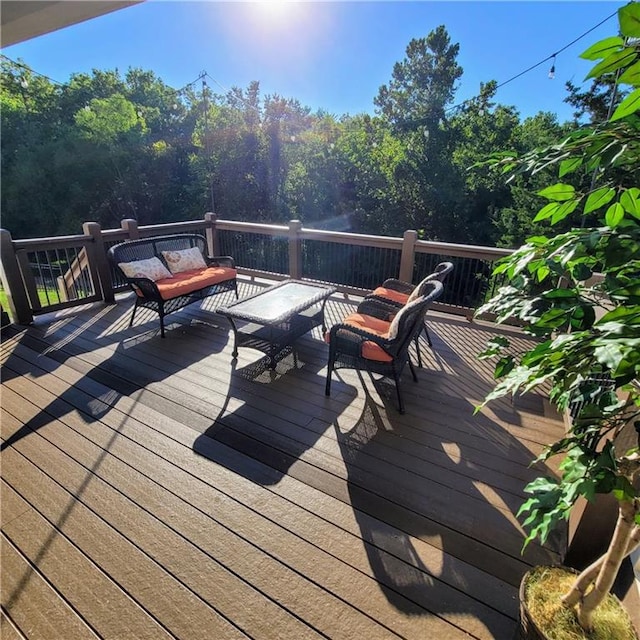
[(35, 569), (447, 621)]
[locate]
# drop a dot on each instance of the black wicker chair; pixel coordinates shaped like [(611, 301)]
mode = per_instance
[(384, 353), (402, 291), (150, 295)]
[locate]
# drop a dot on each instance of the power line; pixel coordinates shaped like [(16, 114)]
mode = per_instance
[(201, 75)]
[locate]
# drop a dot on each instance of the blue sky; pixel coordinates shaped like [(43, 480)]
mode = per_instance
[(331, 55)]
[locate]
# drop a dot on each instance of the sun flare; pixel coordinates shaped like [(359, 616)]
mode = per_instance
[(277, 11)]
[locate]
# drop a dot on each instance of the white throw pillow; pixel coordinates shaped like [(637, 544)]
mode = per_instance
[(151, 268), (184, 260)]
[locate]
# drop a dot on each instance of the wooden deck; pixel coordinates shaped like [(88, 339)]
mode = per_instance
[(152, 488)]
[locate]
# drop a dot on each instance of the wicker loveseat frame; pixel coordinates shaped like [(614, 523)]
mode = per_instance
[(171, 294)]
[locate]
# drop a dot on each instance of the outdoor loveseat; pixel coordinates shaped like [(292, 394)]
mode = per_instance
[(169, 272)]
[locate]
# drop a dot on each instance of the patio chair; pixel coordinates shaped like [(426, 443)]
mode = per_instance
[(394, 294), (365, 342)]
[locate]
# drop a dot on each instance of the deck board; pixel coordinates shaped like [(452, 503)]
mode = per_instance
[(95, 597), (225, 499), (35, 607)]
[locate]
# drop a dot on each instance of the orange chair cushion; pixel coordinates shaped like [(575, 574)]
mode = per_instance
[(189, 281), (369, 350), (391, 294)]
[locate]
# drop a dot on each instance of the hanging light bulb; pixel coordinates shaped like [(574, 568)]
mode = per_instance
[(552, 71)]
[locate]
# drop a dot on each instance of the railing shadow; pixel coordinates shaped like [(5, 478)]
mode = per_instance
[(135, 363), (402, 511), (122, 370)]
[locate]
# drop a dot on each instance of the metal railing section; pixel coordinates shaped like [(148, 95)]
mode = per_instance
[(57, 272), (256, 253), (356, 263), (46, 274)]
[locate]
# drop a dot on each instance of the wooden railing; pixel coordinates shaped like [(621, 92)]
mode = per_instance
[(47, 274)]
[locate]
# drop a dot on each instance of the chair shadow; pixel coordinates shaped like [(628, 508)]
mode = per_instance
[(269, 435), (402, 511), (403, 515)]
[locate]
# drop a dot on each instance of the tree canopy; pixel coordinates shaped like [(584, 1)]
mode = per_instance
[(106, 146)]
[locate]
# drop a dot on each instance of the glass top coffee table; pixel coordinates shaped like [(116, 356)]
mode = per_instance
[(271, 320)]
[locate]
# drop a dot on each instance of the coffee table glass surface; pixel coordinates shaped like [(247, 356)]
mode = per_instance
[(272, 319), (276, 303)]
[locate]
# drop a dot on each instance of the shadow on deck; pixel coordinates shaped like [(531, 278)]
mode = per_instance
[(154, 488)]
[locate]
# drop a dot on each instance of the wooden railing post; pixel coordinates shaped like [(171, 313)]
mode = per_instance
[(408, 256), (17, 299), (212, 232), (131, 227), (63, 291), (295, 249), (98, 262)]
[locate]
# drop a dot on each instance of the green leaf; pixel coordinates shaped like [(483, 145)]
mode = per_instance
[(556, 294), (629, 18), (542, 273), (614, 215), (602, 48), (504, 366), (612, 63), (609, 355), (631, 104), (558, 192), (569, 165), (547, 211), (581, 271), (630, 200), (599, 198), (538, 241), (631, 75), (564, 210), (628, 314)]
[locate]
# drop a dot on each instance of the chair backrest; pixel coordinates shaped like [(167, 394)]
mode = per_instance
[(408, 321), (442, 270), (132, 250)]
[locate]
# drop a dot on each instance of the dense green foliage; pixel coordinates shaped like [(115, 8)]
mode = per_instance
[(105, 147), (579, 292)]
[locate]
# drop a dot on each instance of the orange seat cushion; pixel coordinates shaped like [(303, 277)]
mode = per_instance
[(189, 281), (369, 350), (391, 294)]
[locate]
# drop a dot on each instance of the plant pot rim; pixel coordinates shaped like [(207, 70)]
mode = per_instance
[(529, 628)]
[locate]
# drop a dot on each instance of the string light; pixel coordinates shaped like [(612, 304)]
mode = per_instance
[(28, 68), (535, 66), (204, 74)]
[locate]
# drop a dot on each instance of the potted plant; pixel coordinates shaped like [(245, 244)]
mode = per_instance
[(578, 292)]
